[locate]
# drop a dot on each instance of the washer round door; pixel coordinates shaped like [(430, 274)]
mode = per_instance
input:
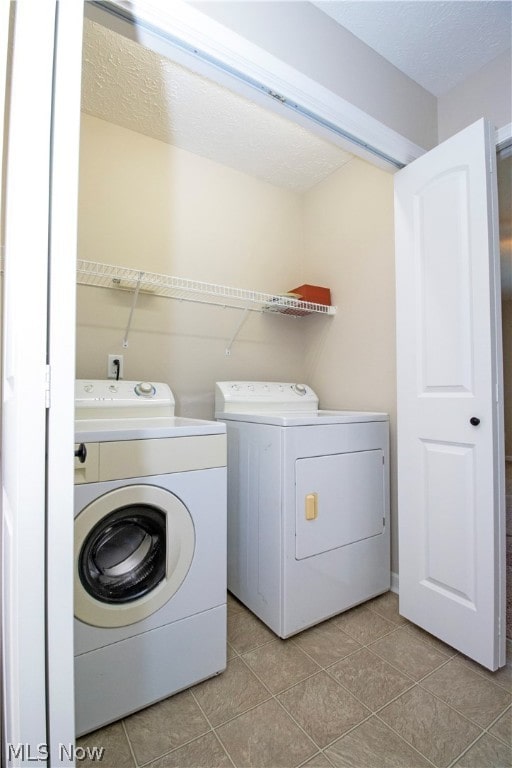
[(133, 548)]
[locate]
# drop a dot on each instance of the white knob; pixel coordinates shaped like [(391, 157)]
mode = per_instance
[(300, 389), (145, 388)]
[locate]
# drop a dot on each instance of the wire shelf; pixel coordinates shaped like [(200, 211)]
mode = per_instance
[(123, 278)]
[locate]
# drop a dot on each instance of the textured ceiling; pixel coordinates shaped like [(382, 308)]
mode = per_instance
[(129, 85), (437, 44)]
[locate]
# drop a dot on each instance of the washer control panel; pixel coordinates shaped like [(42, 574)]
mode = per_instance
[(99, 398), (251, 396)]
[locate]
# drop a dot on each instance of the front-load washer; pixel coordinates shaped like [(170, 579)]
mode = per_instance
[(308, 503), (150, 549)]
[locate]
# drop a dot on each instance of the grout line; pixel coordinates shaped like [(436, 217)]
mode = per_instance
[(224, 748), (175, 749), (493, 723), (349, 730), (211, 728), (381, 658), (201, 708), (405, 740), (185, 743), (283, 690), (129, 742), (317, 754), (254, 647), (469, 664), (466, 749), (403, 621), (308, 735), (329, 666), (452, 707), (373, 711), (431, 641), (459, 712), (445, 660), (233, 717), (392, 628)]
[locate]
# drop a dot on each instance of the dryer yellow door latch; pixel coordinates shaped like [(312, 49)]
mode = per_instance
[(311, 506)]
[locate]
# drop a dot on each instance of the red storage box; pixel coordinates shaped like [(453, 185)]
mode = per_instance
[(313, 293)]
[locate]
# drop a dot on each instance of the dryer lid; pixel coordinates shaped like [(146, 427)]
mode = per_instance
[(297, 419)]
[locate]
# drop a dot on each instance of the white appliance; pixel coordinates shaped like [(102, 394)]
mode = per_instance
[(150, 549), (308, 503)]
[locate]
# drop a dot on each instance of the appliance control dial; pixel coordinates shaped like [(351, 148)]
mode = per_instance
[(145, 389), (299, 389)]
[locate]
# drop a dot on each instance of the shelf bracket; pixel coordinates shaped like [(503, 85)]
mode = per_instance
[(237, 331), (134, 303)]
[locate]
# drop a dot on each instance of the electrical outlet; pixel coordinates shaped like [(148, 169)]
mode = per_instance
[(112, 367)]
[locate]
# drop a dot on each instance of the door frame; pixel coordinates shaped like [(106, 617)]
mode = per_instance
[(65, 149), (187, 30), (40, 188), (23, 396)]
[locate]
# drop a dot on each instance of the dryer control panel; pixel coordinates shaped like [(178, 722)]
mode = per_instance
[(257, 396)]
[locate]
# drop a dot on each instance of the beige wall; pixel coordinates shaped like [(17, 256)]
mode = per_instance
[(146, 204), (349, 239), (487, 93), (506, 309)]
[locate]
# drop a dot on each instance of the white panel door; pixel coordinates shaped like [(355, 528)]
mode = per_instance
[(450, 402)]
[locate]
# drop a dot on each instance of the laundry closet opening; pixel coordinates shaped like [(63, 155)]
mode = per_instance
[(180, 176)]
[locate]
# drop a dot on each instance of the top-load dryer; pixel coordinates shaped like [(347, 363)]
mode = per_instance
[(308, 503), (150, 549)]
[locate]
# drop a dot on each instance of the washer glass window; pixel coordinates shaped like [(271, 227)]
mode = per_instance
[(124, 556), (134, 546)]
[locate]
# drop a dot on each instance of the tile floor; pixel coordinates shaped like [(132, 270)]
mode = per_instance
[(364, 689)]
